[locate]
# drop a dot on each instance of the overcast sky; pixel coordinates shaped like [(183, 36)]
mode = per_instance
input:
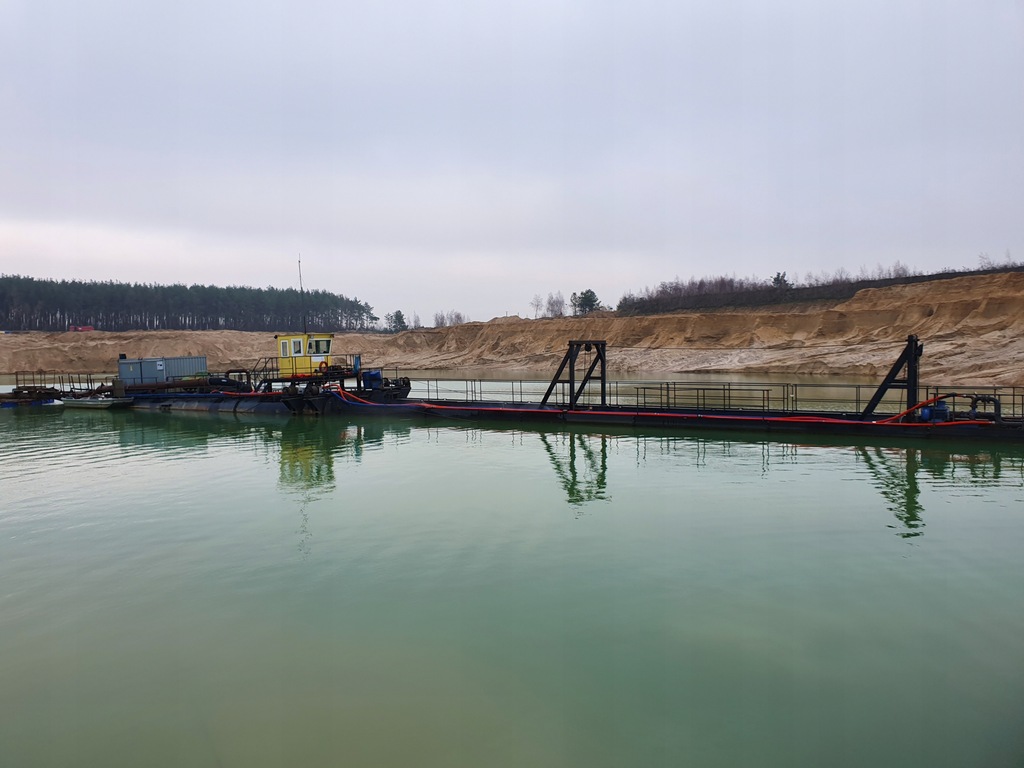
[(432, 155)]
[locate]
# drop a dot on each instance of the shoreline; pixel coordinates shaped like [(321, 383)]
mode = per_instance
[(972, 329)]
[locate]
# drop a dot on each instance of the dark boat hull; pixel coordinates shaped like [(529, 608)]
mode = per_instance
[(392, 403), (277, 403), (779, 423), (324, 395)]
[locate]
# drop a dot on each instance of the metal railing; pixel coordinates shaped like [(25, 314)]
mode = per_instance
[(264, 368), (753, 397), (66, 383), (1011, 399), (519, 391)]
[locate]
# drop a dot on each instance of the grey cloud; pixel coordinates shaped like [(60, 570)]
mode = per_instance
[(687, 138)]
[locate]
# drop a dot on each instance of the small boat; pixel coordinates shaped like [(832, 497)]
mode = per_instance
[(97, 403)]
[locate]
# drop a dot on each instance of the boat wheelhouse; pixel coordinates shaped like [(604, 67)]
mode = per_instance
[(303, 354)]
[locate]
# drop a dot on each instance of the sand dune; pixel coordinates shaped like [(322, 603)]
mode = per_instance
[(971, 326)]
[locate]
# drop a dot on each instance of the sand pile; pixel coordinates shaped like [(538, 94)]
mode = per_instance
[(971, 326)]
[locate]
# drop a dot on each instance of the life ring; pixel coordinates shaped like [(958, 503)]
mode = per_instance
[(323, 366)]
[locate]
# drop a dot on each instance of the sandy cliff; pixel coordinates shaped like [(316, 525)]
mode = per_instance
[(971, 326)]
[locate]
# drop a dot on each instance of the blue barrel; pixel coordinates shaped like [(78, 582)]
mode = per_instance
[(373, 379)]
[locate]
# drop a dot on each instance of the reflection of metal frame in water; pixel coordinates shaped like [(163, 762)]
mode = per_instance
[(898, 486), (895, 465), (593, 484), (577, 453)]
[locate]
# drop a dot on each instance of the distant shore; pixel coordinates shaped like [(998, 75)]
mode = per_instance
[(972, 327)]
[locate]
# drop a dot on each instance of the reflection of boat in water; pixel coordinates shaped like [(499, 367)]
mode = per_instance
[(900, 470), (309, 457), (306, 445)]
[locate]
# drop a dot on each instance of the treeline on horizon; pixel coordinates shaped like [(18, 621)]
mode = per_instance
[(30, 304), (722, 292)]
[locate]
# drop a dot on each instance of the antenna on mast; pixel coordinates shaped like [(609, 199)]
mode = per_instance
[(302, 296)]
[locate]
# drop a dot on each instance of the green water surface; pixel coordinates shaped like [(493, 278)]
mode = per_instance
[(190, 590)]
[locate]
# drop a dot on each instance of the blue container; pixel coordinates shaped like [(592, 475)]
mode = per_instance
[(373, 379)]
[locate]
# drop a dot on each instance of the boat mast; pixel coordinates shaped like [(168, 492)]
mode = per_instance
[(302, 297)]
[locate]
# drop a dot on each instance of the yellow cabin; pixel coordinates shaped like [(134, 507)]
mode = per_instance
[(302, 354)]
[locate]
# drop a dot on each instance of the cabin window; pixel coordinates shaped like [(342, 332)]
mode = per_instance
[(284, 349), (296, 347), (319, 347)]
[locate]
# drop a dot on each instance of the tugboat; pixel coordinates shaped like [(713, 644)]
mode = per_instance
[(304, 378), (313, 379)]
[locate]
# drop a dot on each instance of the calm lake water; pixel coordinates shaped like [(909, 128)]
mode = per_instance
[(182, 590)]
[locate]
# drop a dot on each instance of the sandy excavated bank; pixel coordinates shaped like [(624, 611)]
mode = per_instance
[(971, 326)]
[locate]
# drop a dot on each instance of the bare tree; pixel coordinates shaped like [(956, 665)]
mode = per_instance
[(449, 318), (536, 303), (555, 306)]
